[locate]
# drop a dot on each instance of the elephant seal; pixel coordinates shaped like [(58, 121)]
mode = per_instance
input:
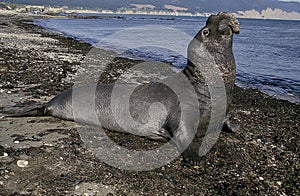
[(215, 40)]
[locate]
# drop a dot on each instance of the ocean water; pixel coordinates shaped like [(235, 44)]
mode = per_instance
[(267, 52)]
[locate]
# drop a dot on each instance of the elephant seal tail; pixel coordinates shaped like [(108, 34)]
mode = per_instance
[(38, 111)]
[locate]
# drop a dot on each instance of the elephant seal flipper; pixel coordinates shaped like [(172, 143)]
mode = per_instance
[(37, 111)]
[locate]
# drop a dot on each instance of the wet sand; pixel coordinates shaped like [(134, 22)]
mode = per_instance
[(35, 65)]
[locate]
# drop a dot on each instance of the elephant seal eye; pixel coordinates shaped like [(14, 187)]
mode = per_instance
[(205, 32)]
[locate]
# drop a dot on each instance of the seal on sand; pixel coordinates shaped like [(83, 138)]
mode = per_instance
[(215, 40)]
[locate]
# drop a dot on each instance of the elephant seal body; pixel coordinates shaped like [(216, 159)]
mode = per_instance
[(103, 114), (163, 118)]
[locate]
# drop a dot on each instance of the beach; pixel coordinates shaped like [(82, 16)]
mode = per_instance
[(46, 156)]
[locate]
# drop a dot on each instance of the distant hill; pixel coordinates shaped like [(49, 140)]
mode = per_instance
[(191, 5)]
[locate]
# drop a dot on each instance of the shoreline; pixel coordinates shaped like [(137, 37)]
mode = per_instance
[(262, 158), (267, 14)]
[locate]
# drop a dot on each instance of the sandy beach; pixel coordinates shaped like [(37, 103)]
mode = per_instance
[(46, 156)]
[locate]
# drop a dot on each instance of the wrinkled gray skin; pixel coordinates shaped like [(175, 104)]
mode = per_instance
[(216, 38)]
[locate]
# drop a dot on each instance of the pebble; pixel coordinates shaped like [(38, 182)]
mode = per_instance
[(246, 112), (22, 163), (261, 178), (4, 155)]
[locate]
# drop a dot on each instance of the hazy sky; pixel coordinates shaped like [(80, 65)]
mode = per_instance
[(291, 0)]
